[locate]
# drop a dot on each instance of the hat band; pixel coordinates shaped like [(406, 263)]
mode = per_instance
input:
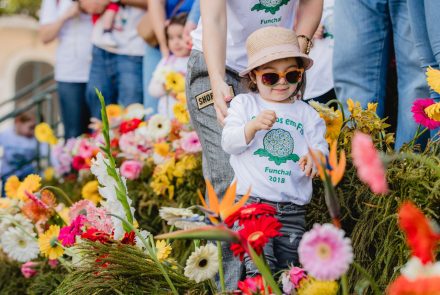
[(273, 51)]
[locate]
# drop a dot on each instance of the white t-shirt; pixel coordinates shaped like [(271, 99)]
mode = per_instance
[(320, 76), (243, 18), (269, 163), (124, 32), (156, 87), (74, 53)]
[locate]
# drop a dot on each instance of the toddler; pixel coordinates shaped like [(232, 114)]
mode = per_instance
[(108, 20), (176, 63), (268, 132)]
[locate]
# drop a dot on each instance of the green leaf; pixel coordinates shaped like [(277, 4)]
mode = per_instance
[(213, 233), (257, 7), (262, 153)]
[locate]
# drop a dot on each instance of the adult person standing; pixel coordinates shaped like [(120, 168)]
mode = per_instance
[(160, 12), (424, 16), (62, 20), (116, 71), (220, 39), (364, 30)]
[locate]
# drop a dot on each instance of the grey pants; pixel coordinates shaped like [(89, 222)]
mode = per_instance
[(282, 251), (216, 165)]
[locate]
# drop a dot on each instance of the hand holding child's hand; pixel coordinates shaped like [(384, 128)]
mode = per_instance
[(265, 120), (319, 34), (306, 165)]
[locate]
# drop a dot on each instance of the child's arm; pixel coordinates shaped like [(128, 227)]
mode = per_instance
[(238, 131)]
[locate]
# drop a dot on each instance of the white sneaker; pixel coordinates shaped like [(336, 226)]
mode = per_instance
[(108, 40)]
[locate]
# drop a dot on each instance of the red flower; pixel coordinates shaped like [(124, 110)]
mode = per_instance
[(129, 125), (129, 238), (79, 163), (256, 232), (420, 286), (252, 286), (114, 143), (94, 235), (421, 238), (248, 212)]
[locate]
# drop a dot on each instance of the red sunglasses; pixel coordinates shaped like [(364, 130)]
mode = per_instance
[(272, 78)]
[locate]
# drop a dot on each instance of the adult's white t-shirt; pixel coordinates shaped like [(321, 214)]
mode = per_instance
[(320, 75), (243, 18), (74, 52), (124, 32)]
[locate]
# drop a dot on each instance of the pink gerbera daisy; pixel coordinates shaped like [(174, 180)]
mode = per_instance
[(79, 208), (368, 163), (68, 233), (325, 253), (420, 116), (99, 219), (190, 142)]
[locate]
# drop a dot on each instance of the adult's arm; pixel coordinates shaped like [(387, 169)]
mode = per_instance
[(136, 3), (158, 17), (309, 17), (213, 15), (49, 32)]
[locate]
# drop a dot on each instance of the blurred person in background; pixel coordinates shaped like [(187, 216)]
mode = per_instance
[(62, 20)]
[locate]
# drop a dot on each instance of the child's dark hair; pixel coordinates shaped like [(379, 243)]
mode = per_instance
[(179, 19), (253, 87)]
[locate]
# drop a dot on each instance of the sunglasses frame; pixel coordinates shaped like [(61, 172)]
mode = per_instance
[(280, 75)]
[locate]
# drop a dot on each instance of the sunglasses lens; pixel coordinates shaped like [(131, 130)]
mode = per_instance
[(270, 78), (293, 77)]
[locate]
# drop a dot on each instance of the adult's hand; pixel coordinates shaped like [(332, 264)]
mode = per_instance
[(189, 27), (93, 6), (319, 34), (222, 94)]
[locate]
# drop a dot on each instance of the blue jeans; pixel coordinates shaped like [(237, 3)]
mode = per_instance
[(363, 32), (151, 59), (424, 16), (75, 112), (118, 77)]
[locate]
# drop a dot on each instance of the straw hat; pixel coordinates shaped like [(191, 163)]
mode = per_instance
[(271, 43)]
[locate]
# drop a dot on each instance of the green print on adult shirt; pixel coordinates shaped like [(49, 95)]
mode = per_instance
[(278, 146), (270, 6)]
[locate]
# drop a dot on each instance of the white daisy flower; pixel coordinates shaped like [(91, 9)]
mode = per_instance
[(19, 245), (10, 221), (202, 264), (159, 126)]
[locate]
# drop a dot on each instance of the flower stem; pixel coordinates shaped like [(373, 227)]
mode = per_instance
[(418, 134), (220, 267), (340, 106), (60, 191), (344, 284), (373, 284), (416, 157)]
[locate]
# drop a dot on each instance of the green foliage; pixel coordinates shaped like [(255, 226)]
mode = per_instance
[(27, 7), (123, 269)]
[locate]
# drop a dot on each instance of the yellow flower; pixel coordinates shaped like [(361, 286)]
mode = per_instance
[(189, 161), (433, 79), (353, 107), (312, 286), (48, 173), (90, 192), (163, 250), (372, 106), (181, 113), (11, 187), (64, 213), (179, 169), (181, 97), (160, 183), (30, 184), (113, 111), (333, 120), (175, 82), (433, 112), (49, 244), (44, 134), (162, 149)]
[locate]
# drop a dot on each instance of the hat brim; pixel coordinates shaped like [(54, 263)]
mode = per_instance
[(307, 61)]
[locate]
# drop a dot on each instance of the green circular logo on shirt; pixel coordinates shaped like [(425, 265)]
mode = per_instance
[(270, 6), (278, 146)]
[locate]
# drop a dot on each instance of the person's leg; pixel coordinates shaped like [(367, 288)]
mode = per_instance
[(102, 77), (361, 51), (151, 59), (74, 110), (411, 80), (216, 167), (129, 79), (285, 247)]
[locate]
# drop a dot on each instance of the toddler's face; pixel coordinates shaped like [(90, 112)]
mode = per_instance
[(278, 79), (25, 128), (176, 43)]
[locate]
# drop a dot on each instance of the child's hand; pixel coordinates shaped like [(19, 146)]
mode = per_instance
[(306, 165), (265, 120)]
